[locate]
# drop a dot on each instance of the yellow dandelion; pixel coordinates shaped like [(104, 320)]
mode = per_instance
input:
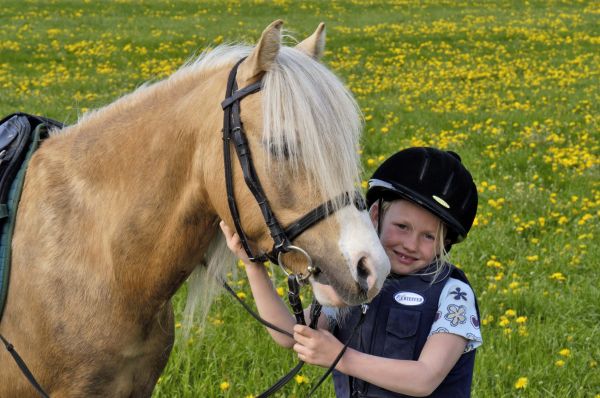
[(485, 321), (521, 383), (241, 295), (510, 312), (280, 291), (558, 276), (494, 263), (560, 363), (565, 352), (300, 379), (521, 319), (584, 219), (224, 386)]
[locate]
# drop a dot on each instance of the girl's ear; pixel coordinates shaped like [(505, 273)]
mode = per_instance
[(374, 213)]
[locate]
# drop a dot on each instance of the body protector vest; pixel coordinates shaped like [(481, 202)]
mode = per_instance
[(397, 326)]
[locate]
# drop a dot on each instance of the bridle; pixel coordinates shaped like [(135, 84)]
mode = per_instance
[(233, 133)]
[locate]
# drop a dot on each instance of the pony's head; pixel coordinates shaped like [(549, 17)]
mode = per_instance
[(303, 130)]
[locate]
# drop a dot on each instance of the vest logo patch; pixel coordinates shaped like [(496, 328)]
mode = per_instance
[(409, 298)]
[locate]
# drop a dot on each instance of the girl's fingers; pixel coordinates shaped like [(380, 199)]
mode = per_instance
[(233, 241), (303, 330), (300, 339)]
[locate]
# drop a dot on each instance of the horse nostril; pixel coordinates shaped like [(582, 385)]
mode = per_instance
[(361, 268), (363, 273)]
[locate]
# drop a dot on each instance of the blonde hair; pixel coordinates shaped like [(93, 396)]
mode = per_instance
[(442, 258)]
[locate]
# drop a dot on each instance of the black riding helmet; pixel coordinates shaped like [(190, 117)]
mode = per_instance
[(433, 179)]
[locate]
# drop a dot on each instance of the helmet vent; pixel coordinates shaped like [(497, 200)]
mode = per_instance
[(467, 199), (448, 183), (424, 167)]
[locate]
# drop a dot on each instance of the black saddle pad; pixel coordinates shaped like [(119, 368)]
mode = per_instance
[(15, 135)]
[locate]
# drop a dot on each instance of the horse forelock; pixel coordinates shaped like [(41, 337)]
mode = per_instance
[(311, 119)]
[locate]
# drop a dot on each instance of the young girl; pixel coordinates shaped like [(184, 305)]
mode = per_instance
[(419, 335)]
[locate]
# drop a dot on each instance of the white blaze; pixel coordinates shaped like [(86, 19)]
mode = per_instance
[(359, 239)]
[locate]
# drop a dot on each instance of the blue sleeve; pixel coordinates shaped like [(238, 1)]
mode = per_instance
[(457, 313)]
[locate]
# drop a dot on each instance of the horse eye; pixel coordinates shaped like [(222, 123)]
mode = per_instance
[(279, 150)]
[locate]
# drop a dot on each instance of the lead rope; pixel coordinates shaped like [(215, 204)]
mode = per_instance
[(298, 311), (11, 349)]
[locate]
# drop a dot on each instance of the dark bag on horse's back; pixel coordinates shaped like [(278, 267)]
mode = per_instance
[(16, 132), (20, 135)]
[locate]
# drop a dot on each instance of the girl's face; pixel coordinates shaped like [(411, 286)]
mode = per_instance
[(408, 235)]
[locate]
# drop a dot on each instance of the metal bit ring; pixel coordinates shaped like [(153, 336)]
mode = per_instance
[(309, 269)]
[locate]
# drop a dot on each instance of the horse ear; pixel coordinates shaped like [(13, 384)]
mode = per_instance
[(263, 55), (314, 45)]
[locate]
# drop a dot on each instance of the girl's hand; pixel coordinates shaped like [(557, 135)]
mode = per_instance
[(234, 243), (317, 347)]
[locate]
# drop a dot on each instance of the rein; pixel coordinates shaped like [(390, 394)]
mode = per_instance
[(298, 311), (24, 369)]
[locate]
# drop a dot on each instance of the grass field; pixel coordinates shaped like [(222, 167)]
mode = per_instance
[(514, 87)]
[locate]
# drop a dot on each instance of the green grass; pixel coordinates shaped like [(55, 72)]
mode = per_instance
[(511, 86)]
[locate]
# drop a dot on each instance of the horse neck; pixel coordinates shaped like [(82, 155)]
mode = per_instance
[(139, 165)]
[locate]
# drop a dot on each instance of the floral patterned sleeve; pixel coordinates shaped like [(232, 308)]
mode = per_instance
[(457, 314)]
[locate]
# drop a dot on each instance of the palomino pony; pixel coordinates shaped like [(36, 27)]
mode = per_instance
[(118, 210)]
